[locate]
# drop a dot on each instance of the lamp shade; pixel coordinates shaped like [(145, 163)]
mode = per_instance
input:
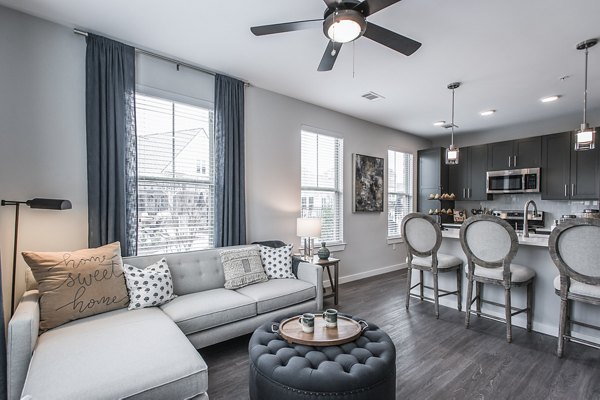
[(49, 204), (308, 227)]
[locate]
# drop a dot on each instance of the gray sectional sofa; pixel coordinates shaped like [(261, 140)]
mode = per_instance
[(149, 353)]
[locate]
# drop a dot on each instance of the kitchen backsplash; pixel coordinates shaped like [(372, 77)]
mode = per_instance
[(552, 209)]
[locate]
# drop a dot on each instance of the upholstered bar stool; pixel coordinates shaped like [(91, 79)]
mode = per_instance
[(490, 245), (423, 239), (575, 249)]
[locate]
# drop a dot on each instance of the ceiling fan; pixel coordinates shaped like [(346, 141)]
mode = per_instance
[(343, 22)]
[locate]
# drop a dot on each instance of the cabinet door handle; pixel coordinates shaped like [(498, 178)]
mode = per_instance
[(565, 190), (469, 193), (464, 193), (572, 189), (515, 161), (509, 161)]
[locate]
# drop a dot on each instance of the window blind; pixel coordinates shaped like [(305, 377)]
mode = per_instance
[(322, 183), (175, 176), (400, 190)]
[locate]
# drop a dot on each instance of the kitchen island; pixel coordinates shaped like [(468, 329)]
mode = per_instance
[(533, 253)]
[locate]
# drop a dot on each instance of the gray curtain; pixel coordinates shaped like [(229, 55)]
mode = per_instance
[(3, 365), (111, 143), (230, 208)]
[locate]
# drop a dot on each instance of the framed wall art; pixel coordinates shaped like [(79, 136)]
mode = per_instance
[(368, 183)]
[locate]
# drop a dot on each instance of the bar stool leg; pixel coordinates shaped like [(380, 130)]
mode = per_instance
[(529, 305), (435, 296), (561, 326), (469, 297), (478, 294), (508, 310), (408, 278), (459, 288), (568, 320), (421, 285)]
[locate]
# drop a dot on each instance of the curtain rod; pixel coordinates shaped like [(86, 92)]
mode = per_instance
[(165, 58)]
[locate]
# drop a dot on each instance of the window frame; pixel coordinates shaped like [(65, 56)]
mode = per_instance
[(176, 98), (397, 238), (338, 191)]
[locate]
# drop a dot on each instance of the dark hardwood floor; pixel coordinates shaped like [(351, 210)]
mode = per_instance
[(439, 359)]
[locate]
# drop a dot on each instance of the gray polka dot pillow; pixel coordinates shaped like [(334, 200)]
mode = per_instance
[(149, 287), (277, 262)]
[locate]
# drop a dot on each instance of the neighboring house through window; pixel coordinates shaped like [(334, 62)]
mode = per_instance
[(400, 190), (175, 176), (322, 182)]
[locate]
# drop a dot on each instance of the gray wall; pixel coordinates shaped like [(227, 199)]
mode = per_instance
[(42, 148)]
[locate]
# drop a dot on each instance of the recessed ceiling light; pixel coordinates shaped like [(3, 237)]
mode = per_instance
[(439, 123), (487, 112), (550, 99)]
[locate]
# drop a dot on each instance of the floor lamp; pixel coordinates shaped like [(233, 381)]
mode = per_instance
[(46, 204)]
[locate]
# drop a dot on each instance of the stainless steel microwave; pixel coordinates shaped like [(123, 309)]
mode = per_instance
[(525, 180)]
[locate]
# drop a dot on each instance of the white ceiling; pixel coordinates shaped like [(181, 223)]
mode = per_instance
[(508, 54)]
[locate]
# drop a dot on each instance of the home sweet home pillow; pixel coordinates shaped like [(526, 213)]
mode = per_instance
[(78, 284), (150, 286), (277, 262), (242, 267)]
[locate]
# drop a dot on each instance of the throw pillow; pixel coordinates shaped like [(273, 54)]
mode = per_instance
[(242, 267), (150, 286), (277, 262), (78, 284)]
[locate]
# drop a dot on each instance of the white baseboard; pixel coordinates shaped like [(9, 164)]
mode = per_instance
[(365, 274)]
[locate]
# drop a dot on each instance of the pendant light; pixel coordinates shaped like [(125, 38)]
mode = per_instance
[(452, 151), (585, 137)]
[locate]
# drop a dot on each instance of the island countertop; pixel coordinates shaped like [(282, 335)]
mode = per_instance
[(534, 239)]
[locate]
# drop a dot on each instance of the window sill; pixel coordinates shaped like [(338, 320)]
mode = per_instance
[(395, 240)]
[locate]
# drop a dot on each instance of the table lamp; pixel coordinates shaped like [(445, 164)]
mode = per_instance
[(46, 204), (309, 229)]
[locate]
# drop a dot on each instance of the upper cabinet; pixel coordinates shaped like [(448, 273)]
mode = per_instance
[(566, 173), (522, 153), (467, 179)]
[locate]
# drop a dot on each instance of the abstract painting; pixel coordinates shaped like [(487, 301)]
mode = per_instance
[(368, 183)]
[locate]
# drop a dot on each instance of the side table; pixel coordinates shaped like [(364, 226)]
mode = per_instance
[(335, 263)]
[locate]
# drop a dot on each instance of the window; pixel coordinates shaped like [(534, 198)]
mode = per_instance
[(321, 183), (400, 190), (175, 176)]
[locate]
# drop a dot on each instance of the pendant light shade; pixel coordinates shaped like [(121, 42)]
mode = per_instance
[(585, 137), (452, 152)]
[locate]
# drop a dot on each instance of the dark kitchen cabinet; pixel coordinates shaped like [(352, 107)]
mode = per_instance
[(522, 153), (433, 178), (566, 173), (467, 179)]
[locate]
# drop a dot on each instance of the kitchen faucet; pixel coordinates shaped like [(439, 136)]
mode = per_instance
[(525, 221)]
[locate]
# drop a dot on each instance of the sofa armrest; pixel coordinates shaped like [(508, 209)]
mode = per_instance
[(312, 273), (23, 329)]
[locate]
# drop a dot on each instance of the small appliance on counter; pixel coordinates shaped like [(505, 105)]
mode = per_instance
[(459, 216), (515, 218)]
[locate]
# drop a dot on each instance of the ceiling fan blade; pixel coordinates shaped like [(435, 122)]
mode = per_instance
[(369, 7), (332, 3), (330, 55), (394, 41), (286, 27)]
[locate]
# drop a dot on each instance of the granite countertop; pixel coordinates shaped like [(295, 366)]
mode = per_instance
[(534, 239)]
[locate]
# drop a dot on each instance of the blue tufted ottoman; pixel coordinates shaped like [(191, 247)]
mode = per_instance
[(363, 369)]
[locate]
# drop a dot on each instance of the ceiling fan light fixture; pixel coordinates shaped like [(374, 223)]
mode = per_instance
[(343, 26)]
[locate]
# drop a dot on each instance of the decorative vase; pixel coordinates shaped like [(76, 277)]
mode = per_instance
[(323, 252)]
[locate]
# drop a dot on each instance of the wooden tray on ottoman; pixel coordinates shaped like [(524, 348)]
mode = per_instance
[(347, 331)]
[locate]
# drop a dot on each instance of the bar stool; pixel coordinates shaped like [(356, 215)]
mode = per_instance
[(490, 245), (575, 249), (423, 239)]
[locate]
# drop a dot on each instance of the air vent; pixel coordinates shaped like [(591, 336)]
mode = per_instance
[(372, 96)]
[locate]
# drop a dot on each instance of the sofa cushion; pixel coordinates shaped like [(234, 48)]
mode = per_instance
[(278, 293), (137, 354), (204, 310), (242, 267), (77, 284)]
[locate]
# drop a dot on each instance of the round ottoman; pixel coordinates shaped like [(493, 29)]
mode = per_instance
[(363, 369)]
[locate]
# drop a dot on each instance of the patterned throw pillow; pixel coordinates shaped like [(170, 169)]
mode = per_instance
[(150, 286), (78, 284), (277, 262), (242, 267)]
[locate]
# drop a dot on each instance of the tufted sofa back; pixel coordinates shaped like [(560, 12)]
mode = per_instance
[(192, 272)]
